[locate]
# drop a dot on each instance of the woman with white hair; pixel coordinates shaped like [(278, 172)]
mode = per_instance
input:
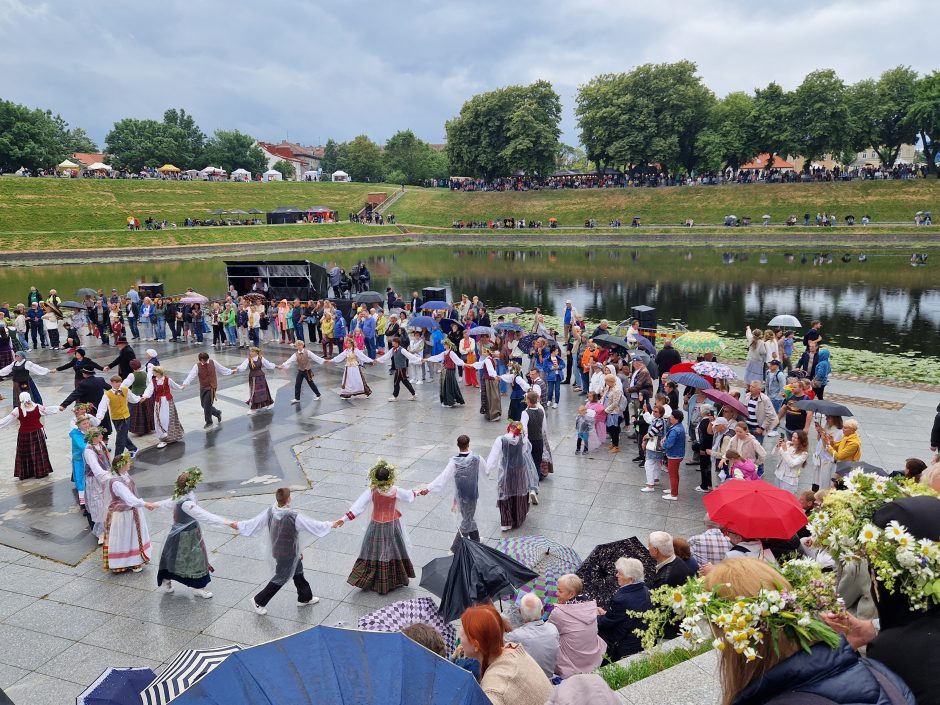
[(580, 649), (615, 625), (32, 455)]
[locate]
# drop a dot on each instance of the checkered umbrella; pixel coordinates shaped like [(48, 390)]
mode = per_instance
[(404, 613), (548, 558)]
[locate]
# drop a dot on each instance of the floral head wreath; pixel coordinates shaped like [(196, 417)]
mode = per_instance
[(84, 408), (373, 475), (843, 525), (514, 427), (744, 623), (193, 478), (120, 461), (93, 433)]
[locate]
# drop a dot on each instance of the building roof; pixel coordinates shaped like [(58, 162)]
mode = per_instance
[(760, 162), (278, 150), (86, 158), (438, 147)]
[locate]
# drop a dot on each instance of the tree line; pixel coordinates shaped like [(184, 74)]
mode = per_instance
[(404, 159)]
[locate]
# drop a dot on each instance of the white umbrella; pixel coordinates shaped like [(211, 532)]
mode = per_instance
[(98, 166), (785, 320)]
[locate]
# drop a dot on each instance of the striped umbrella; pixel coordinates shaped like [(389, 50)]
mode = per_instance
[(183, 672), (548, 558)]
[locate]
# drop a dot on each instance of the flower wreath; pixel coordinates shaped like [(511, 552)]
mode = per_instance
[(120, 461), (193, 478), (743, 623), (381, 484), (843, 525), (93, 433), (515, 428), (84, 408)]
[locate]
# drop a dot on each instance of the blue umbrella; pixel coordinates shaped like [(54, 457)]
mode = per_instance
[(646, 344), (446, 323), (482, 330), (117, 686), (422, 322), (690, 379), (434, 306), (327, 666), (514, 327)]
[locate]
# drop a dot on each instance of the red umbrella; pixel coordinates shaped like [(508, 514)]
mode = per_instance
[(755, 509), (726, 399)]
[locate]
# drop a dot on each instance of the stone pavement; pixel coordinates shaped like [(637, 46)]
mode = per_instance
[(63, 621)]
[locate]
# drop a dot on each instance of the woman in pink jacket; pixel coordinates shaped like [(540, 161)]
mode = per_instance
[(580, 650)]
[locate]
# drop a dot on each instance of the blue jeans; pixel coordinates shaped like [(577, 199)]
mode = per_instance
[(132, 322), (298, 332), (24, 343), (232, 334), (585, 381), (159, 328), (370, 347), (554, 389)]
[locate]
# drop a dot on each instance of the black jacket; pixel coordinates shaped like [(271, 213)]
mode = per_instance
[(616, 627), (89, 391), (839, 674), (667, 358), (123, 361), (674, 573), (76, 365), (935, 433)]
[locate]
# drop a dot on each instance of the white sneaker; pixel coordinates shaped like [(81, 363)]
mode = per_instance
[(162, 444), (413, 397), (316, 397), (667, 491), (393, 398), (555, 405), (505, 528), (670, 498), (258, 608), (533, 498), (311, 601), (137, 568), (101, 540), (169, 586), (295, 401), (205, 594), (646, 489), (773, 433), (700, 489)]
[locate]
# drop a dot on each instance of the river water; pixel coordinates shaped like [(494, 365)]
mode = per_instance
[(883, 303)]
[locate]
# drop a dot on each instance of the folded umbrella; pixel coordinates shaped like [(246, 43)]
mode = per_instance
[(755, 509), (726, 399), (404, 613), (508, 310), (824, 406), (117, 686), (690, 379), (422, 322)]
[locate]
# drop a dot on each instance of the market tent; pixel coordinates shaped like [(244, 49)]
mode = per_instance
[(169, 168), (66, 165), (340, 176), (311, 175), (272, 175), (98, 166), (191, 173), (241, 175), (284, 214)]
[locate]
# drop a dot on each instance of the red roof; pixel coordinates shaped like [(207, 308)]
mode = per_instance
[(86, 158), (760, 162), (438, 147), (278, 151)]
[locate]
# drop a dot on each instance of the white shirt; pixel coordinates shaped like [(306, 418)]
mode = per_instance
[(455, 358), (148, 392), (15, 414), (293, 358), (31, 366), (124, 492), (365, 499), (265, 363), (524, 420), (251, 527), (194, 372), (439, 482), (391, 351)]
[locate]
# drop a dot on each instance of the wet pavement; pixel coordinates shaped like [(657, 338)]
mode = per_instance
[(63, 619)]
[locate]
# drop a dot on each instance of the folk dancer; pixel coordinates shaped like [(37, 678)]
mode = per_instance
[(383, 563), (304, 359), (399, 357), (165, 419), (354, 382), (90, 392), (97, 472), (83, 424), (259, 395), (75, 364), (126, 534), (20, 371), (490, 403), (283, 525), (142, 411), (464, 469), (535, 426), (450, 391), (115, 402), (184, 558), (32, 455), (207, 371), (517, 477)]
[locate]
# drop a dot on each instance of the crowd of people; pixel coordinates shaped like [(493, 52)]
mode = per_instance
[(626, 396)]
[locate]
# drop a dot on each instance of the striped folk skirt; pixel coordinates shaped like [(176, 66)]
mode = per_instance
[(32, 456), (126, 541), (383, 562)]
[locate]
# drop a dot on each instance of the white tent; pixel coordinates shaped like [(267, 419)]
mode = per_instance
[(67, 165), (98, 166), (241, 175), (272, 175), (311, 175), (340, 176)]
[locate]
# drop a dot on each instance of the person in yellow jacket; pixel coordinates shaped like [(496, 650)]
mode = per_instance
[(850, 445)]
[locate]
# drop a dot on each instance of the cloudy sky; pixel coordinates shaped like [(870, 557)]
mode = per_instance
[(313, 70)]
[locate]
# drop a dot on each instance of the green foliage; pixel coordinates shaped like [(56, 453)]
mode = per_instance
[(925, 114), (819, 116), (77, 140), (286, 168), (187, 139), (726, 140), (363, 160), (334, 156), (768, 123), (396, 177), (504, 131), (571, 158), (30, 138), (177, 140), (617, 676), (231, 150), (412, 161), (881, 113)]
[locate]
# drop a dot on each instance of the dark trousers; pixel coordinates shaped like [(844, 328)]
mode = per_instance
[(54, 343), (537, 449), (313, 331), (254, 334), (820, 391), (132, 322), (121, 441), (304, 593), (298, 332), (401, 377), (614, 433), (206, 397), (36, 330), (705, 468), (300, 379), (218, 334)]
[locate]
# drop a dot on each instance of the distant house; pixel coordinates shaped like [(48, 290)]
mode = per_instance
[(85, 159), (762, 161), (274, 153)]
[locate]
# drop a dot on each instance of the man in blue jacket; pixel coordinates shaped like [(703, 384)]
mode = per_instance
[(674, 447)]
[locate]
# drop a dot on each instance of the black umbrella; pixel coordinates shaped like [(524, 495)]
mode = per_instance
[(73, 304), (477, 574), (610, 341), (85, 291), (846, 466), (446, 323), (598, 574), (824, 406), (369, 297)]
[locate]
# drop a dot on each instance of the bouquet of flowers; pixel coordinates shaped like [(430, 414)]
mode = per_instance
[(843, 525)]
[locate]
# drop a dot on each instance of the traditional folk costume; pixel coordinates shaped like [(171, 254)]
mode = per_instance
[(165, 419), (535, 427), (32, 455), (490, 402), (184, 558), (116, 404), (259, 395), (126, 534), (383, 563), (284, 526), (142, 411), (517, 476), (304, 359), (97, 461), (79, 444), (465, 470), (520, 386), (450, 390), (354, 383), (399, 357), (468, 354), (207, 372), (19, 371), (6, 346)]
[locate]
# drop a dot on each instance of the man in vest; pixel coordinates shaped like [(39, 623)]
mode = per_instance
[(208, 372), (535, 428), (399, 357), (114, 402), (304, 359), (464, 468), (284, 526)]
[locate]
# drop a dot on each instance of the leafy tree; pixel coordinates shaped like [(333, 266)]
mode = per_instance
[(77, 140), (407, 156), (925, 114), (880, 111), (437, 165), (489, 137), (364, 160), (396, 177), (286, 168), (188, 140), (231, 150), (768, 124), (571, 158), (819, 116), (135, 143), (726, 140), (334, 157), (29, 138)]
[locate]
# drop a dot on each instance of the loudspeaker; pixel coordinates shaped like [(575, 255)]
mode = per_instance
[(434, 293), (646, 315)]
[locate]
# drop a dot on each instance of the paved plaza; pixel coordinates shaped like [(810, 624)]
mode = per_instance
[(63, 619)]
